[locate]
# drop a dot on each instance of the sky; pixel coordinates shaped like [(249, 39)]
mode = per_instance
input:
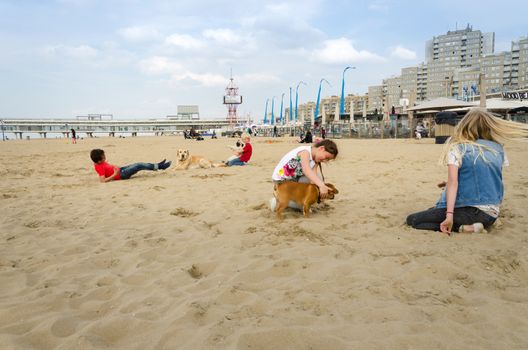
[(141, 59)]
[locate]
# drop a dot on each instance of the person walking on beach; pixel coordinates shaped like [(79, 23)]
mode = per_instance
[(74, 136), (474, 189), (323, 132), (300, 164), (108, 172), (244, 155)]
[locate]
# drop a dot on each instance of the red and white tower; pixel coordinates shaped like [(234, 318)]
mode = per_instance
[(232, 99)]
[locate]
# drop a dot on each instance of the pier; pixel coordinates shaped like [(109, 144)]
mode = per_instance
[(106, 127)]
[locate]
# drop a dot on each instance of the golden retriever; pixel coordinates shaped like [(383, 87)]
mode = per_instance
[(187, 161)]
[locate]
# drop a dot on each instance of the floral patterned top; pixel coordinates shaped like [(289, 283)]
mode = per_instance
[(289, 167)]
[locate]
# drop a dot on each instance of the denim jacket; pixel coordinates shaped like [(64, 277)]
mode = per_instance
[(479, 176)]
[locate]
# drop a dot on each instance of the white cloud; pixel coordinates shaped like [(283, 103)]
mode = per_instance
[(258, 78), (403, 53), (176, 72), (342, 51), (205, 79), (222, 36), (160, 65), (379, 6), (184, 41), (80, 52), (139, 33)]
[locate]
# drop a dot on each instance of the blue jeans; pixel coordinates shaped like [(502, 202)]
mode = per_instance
[(236, 161), (129, 170), (431, 218)]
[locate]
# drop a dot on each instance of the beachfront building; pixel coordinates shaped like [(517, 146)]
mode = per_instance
[(459, 48), (356, 105), (393, 92), (518, 72), (375, 99), (306, 112), (455, 63), (186, 112)]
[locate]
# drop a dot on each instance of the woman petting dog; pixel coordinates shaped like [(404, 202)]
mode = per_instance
[(474, 188), (299, 165)]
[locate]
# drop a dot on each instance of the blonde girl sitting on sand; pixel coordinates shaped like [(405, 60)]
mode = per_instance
[(299, 165), (474, 189)]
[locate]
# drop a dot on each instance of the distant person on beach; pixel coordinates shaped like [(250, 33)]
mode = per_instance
[(275, 131), (74, 136), (300, 164), (308, 138), (474, 188), (108, 172), (243, 155), (323, 133)]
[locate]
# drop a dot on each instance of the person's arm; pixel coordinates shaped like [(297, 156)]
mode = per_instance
[(451, 193), (311, 174), (110, 178)]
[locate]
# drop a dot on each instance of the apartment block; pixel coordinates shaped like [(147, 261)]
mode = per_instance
[(375, 99)]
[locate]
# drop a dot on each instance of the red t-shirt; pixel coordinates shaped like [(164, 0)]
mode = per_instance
[(106, 170), (246, 153)]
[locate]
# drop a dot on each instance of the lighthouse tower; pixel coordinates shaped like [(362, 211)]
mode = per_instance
[(232, 99)]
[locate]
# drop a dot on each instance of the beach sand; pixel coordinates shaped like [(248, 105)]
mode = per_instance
[(196, 260)]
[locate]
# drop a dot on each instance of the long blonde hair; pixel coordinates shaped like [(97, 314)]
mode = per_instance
[(478, 123)]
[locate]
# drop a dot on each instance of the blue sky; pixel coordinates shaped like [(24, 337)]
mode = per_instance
[(140, 59)]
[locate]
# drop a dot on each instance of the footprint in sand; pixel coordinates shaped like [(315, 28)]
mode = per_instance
[(182, 212), (259, 206), (195, 272)]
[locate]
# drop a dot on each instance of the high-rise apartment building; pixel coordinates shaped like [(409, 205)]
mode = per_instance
[(452, 51), (375, 98)]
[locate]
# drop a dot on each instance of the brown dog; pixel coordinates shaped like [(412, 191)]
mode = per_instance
[(302, 193), (187, 161)]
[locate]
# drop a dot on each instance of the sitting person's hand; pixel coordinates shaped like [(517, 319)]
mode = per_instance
[(323, 191)]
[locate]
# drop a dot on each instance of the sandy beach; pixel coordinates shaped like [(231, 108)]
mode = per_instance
[(196, 260)]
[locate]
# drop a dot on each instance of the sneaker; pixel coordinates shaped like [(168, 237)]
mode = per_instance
[(479, 228), (163, 165), (273, 204)]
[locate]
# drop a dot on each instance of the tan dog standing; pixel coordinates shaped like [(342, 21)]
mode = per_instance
[(302, 193), (187, 161)]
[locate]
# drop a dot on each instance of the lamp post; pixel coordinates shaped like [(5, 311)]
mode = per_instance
[(319, 97), (266, 111), (272, 109), (342, 109), (282, 105), (297, 99), (291, 106)]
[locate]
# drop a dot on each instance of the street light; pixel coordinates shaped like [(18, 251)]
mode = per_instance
[(319, 97), (291, 106), (282, 105), (272, 110), (266, 111), (342, 109), (297, 99)]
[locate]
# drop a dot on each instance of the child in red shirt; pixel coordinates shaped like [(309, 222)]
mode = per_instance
[(108, 172), (244, 155)]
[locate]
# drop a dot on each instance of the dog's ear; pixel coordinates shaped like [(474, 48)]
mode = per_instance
[(334, 189)]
